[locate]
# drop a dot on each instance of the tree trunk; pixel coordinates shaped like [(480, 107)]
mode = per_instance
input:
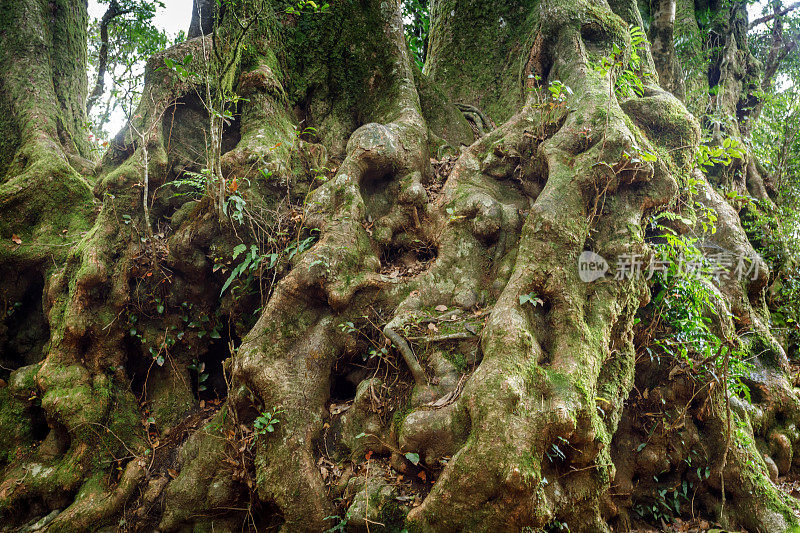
[(367, 284), (202, 18)]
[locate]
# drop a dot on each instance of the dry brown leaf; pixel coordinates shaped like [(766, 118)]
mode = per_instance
[(441, 308), (16, 239)]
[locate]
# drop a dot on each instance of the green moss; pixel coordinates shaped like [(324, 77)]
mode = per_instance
[(399, 416), (15, 426), (457, 358), (531, 468), (393, 515)]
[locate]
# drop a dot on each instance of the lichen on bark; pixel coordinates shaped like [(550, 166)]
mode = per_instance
[(435, 322)]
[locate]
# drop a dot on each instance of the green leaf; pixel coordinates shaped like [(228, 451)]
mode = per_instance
[(238, 250), (530, 298), (412, 457)]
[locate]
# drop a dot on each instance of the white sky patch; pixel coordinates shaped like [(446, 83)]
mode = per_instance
[(172, 18)]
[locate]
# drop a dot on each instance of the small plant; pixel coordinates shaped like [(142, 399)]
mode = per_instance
[(555, 453), (624, 73), (267, 421), (452, 217), (551, 103), (340, 526), (199, 368), (381, 352), (558, 91), (724, 154), (348, 327), (13, 308), (254, 262), (530, 298), (412, 457), (182, 68)]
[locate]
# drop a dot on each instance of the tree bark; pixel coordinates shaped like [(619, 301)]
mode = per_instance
[(203, 14), (371, 217)]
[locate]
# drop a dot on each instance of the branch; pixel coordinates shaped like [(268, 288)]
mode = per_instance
[(767, 18), (111, 13)]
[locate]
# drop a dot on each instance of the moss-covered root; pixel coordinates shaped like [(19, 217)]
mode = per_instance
[(93, 417), (751, 501), (94, 426), (206, 485), (286, 360), (538, 441)]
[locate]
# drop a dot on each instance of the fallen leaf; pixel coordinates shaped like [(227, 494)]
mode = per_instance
[(422, 476), (15, 239), (432, 327), (441, 308), (172, 473)]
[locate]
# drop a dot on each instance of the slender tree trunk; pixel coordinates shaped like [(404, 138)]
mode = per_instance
[(203, 13)]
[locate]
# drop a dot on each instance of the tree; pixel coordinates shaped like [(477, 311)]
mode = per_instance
[(119, 44), (305, 268)]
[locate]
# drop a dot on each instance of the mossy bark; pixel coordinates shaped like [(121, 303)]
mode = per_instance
[(524, 358)]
